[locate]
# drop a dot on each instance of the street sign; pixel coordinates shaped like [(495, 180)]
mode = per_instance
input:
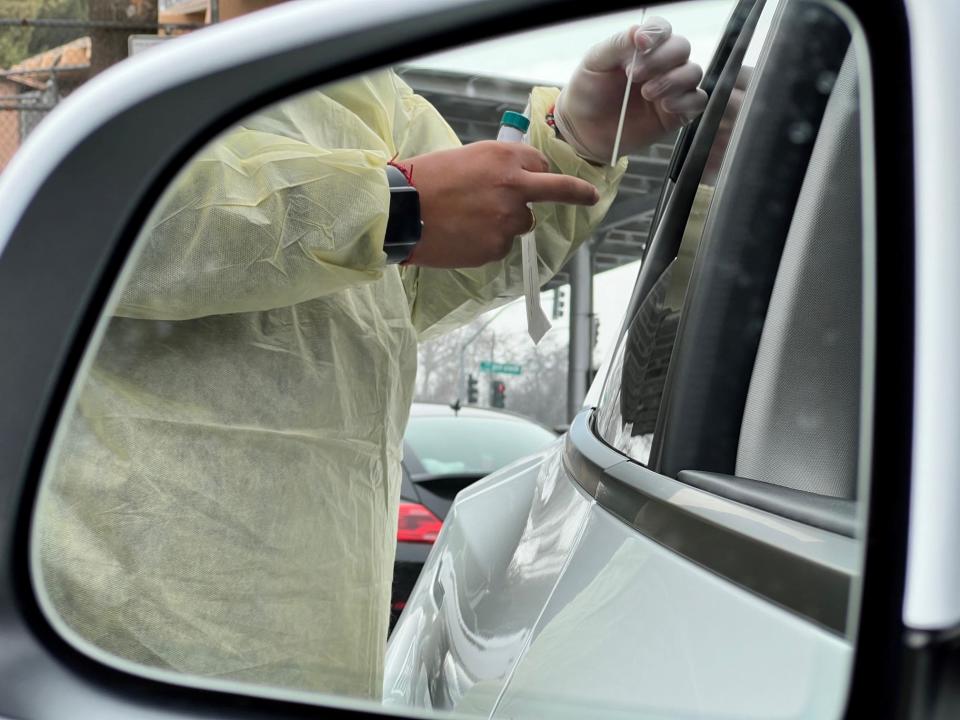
[(136, 44), (488, 366)]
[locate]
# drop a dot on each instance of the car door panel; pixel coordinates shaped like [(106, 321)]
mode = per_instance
[(668, 638), (74, 201), (675, 601), (471, 613), (663, 633)]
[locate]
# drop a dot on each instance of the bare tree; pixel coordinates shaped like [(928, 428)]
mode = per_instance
[(539, 391)]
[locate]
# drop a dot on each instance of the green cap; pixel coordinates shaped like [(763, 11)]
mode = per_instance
[(515, 120)]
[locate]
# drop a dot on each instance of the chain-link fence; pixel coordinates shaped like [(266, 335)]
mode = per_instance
[(28, 87), (35, 82), (20, 113)]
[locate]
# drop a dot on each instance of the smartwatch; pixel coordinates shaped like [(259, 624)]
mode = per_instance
[(404, 224)]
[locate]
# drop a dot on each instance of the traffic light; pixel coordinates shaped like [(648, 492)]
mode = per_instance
[(558, 303), (472, 395), (498, 394)]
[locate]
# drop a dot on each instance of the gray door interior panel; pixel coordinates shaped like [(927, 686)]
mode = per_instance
[(801, 421)]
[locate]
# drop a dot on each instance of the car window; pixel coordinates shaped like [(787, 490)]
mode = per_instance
[(630, 402), (221, 505), (467, 445), (745, 369)]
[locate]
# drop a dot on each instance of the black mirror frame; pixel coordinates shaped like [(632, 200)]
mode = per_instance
[(52, 302)]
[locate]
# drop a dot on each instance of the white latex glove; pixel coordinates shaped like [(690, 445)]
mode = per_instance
[(664, 95)]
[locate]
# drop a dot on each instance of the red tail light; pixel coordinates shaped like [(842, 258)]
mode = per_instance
[(417, 524)]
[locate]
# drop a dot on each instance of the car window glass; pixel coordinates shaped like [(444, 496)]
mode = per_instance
[(742, 369), (630, 402), (221, 506)]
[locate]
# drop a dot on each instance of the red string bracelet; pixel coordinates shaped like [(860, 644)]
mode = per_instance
[(551, 122), (407, 170)]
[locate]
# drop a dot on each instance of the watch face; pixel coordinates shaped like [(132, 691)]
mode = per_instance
[(404, 225)]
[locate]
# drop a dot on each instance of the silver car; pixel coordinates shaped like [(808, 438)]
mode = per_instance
[(710, 539)]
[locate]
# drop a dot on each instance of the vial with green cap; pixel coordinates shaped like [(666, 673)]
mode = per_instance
[(513, 126)]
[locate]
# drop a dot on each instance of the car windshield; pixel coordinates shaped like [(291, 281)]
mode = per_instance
[(461, 445)]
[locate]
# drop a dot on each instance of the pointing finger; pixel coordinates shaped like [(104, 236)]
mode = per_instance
[(550, 187)]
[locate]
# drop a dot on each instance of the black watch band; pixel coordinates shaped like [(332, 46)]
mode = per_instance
[(403, 224)]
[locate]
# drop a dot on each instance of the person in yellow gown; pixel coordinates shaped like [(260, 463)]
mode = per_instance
[(224, 501)]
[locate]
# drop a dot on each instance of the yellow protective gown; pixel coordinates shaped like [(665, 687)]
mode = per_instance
[(224, 498)]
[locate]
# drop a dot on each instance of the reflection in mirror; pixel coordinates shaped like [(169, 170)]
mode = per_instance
[(229, 503)]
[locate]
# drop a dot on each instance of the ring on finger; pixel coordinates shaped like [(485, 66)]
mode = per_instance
[(533, 222)]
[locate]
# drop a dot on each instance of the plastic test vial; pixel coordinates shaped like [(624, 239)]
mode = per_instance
[(513, 126)]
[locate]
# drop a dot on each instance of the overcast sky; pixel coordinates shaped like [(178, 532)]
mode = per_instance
[(550, 54)]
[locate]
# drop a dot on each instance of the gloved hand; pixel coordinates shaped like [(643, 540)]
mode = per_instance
[(664, 95), (473, 200)]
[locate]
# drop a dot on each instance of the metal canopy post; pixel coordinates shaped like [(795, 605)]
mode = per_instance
[(581, 322)]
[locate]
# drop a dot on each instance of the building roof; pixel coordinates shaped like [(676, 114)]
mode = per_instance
[(71, 59)]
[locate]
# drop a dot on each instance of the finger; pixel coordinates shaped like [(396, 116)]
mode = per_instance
[(676, 112), (674, 83), (520, 222), (671, 54), (734, 103), (652, 34), (613, 53), (531, 159), (689, 104), (551, 187)]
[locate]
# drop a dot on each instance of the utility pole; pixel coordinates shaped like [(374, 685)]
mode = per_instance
[(580, 360), (108, 46)]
